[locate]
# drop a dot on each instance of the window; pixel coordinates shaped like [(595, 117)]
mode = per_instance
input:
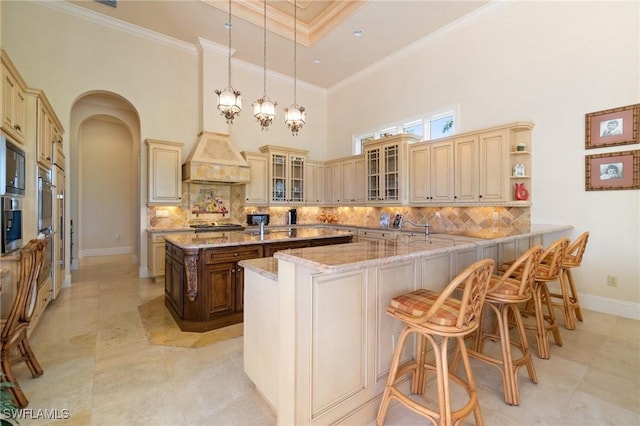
[(430, 126)]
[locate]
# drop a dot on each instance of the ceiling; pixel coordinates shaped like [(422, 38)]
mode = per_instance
[(327, 50)]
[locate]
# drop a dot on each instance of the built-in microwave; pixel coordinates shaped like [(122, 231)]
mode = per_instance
[(12, 169), (11, 220)]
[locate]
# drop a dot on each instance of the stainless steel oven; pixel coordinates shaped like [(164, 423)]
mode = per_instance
[(12, 169), (45, 200), (11, 214)]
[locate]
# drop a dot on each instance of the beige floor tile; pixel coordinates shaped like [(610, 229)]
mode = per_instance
[(100, 366)]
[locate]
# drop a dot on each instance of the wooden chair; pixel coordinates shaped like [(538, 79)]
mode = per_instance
[(503, 297), (548, 270), (14, 328), (568, 296), (436, 318)]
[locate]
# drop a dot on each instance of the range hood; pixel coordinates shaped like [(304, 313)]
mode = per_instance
[(214, 159)]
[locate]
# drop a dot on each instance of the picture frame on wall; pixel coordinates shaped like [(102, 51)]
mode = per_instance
[(611, 127), (613, 170)]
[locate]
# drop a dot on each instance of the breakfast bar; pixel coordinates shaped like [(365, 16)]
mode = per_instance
[(317, 341)]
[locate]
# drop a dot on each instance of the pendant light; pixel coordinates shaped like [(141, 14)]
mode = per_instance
[(263, 109), (229, 99), (295, 115)]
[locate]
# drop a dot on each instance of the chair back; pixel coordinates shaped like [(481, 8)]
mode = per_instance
[(31, 260), (473, 282), (552, 258), (523, 270), (575, 251)]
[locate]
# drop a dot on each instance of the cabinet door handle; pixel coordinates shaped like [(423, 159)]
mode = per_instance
[(17, 127)]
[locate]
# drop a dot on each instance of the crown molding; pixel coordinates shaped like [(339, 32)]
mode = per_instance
[(418, 45), (116, 24)]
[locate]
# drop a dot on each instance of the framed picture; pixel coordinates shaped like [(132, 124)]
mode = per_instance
[(618, 126), (614, 170)]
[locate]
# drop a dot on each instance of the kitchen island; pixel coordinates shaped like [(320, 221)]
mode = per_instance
[(204, 285), (317, 340)]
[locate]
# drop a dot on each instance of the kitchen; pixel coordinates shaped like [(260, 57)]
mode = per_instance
[(558, 158)]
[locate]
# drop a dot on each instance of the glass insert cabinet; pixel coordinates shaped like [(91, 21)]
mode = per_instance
[(286, 174), (385, 159)]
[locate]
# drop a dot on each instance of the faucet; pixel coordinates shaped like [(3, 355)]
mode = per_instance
[(261, 223), (425, 225)]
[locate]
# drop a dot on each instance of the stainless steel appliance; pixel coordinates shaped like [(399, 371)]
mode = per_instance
[(12, 168), (45, 200), (45, 220), (11, 212), (257, 218), (292, 217)]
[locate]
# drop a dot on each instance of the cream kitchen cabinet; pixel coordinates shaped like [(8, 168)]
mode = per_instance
[(48, 131), (466, 169), (354, 173), (314, 182), (471, 168), (431, 174), (155, 249), (256, 191), (14, 105), (386, 169), (164, 173), (286, 174)]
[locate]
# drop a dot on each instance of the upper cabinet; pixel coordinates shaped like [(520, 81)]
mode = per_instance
[(431, 175), (286, 174), (474, 167), (256, 192), (49, 133), (314, 182), (386, 173), (164, 169), (14, 106)]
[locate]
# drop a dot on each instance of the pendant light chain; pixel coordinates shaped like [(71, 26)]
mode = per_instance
[(264, 110), (229, 99), (295, 115)]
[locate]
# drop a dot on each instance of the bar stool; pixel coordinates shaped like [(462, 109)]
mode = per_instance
[(14, 328), (549, 270), (436, 318), (568, 295), (504, 295)]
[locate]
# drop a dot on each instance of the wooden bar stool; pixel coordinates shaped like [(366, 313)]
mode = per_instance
[(14, 328), (549, 270), (504, 295), (568, 296), (436, 318)]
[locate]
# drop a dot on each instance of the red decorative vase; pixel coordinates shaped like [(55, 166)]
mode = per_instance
[(521, 192)]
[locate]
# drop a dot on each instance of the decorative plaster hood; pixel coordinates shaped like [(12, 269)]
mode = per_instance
[(214, 159)]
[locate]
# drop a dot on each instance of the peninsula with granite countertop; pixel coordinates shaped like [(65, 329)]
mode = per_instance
[(317, 340), (204, 285)]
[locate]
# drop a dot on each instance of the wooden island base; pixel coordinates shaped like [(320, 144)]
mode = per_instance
[(204, 285)]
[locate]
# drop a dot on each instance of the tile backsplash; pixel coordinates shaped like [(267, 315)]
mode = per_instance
[(441, 219)]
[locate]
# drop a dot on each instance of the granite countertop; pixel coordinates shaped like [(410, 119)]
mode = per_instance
[(348, 257), (249, 236), (266, 266)]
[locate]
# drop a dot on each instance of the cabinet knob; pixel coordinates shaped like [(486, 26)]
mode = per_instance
[(235, 254)]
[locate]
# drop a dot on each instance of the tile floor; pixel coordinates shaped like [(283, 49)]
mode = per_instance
[(99, 366)]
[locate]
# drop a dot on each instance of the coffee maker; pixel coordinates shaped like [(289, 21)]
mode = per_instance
[(292, 217)]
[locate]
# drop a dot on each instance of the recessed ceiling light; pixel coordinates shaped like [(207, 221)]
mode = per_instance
[(317, 61), (358, 33)]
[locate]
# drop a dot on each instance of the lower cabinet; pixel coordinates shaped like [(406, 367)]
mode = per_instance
[(215, 298)]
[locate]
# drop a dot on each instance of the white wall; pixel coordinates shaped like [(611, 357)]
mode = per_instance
[(546, 62), (107, 193)]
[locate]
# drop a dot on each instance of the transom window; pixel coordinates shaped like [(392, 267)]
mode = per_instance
[(428, 127)]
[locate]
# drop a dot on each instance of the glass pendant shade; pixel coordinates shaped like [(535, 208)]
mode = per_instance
[(264, 111), (295, 117), (229, 103)]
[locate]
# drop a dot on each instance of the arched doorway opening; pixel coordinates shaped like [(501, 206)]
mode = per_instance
[(105, 177)]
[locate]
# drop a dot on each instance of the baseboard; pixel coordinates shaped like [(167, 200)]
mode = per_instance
[(610, 306), (105, 251), (607, 305)]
